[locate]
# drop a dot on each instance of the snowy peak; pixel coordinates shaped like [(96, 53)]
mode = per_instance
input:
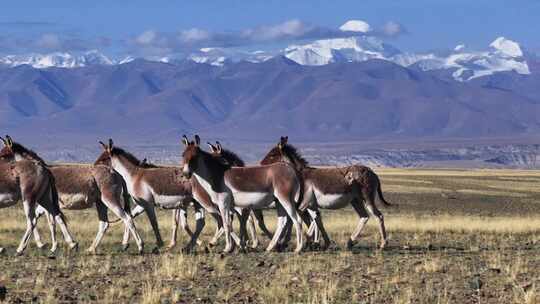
[(507, 47), (61, 60), (350, 49)]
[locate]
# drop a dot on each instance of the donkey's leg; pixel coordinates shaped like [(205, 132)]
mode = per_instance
[(358, 206), (243, 214), (225, 210), (316, 216), (151, 213), (286, 235), (199, 225), (252, 231), (370, 205), (37, 237), (53, 209), (219, 229), (288, 205), (59, 218), (52, 229), (103, 226), (29, 211), (113, 202), (281, 222), (136, 211), (259, 219), (174, 232)]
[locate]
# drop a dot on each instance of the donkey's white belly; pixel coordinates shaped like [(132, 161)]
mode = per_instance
[(170, 201), (8, 199), (75, 201), (254, 200), (332, 200)]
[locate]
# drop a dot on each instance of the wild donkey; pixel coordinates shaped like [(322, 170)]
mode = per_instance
[(31, 182), (82, 187), (191, 189), (246, 187), (334, 188), (255, 215), (165, 187)]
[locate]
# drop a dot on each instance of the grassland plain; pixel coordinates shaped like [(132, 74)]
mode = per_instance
[(457, 236)]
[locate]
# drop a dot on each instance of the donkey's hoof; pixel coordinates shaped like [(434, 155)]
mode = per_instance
[(169, 248), (155, 250), (187, 250), (18, 253), (91, 250), (124, 247), (41, 246), (51, 255), (2, 250), (383, 245), (350, 244), (74, 247)]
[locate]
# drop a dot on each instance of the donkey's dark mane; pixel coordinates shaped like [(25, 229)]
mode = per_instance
[(219, 160), (20, 149), (294, 155), (232, 158), (146, 164), (130, 157)]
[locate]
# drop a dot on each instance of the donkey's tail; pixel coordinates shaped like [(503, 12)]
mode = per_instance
[(127, 199), (380, 194), (55, 200)]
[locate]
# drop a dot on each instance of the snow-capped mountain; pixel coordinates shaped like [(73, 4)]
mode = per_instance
[(357, 44), (63, 60), (503, 55), (351, 49)]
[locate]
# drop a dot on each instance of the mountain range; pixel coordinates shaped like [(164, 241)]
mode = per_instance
[(355, 88), (146, 101)]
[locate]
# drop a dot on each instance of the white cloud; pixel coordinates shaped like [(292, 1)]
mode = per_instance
[(356, 26), (392, 29), (194, 35), (146, 37), (48, 41)]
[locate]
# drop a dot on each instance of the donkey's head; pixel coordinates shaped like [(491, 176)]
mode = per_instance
[(190, 155), (105, 157), (276, 154), (6, 153), (227, 157)]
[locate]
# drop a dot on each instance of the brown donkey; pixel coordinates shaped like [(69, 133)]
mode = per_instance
[(165, 187), (334, 188), (246, 187), (31, 182), (255, 215), (85, 186)]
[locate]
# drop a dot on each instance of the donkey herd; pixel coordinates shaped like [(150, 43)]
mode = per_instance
[(215, 182)]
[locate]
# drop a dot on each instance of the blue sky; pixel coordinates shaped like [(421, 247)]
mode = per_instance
[(128, 26)]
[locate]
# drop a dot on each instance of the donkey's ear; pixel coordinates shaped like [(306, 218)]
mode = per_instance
[(185, 140), (197, 140), (3, 140), (9, 141), (219, 147), (212, 147), (283, 140), (111, 144), (103, 145)]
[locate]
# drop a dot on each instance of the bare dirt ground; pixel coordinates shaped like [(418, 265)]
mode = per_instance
[(457, 236)]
